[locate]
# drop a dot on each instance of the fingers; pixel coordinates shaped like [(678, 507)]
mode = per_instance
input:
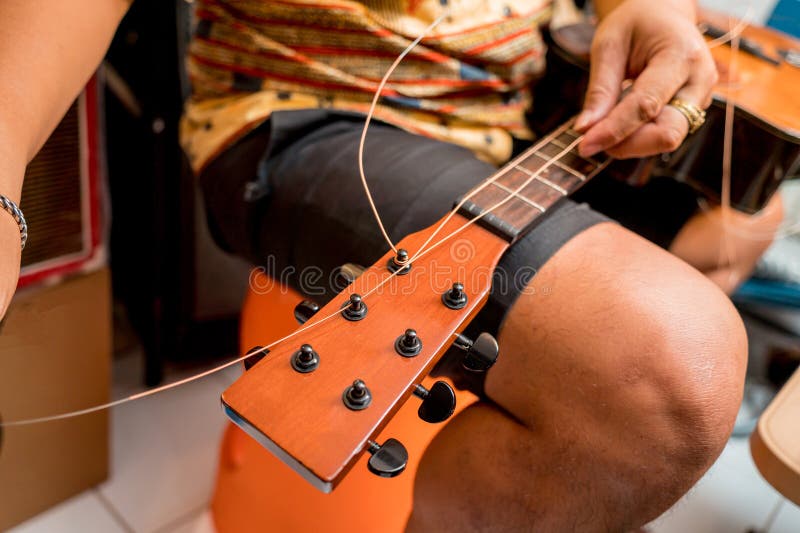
[(670, 127), (651, 91), (664, 134), (609, 59)]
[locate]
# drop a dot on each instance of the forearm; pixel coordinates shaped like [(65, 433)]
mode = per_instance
[(48, 49), (603, 7)]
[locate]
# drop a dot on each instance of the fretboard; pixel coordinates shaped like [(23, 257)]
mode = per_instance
[(531, 184)]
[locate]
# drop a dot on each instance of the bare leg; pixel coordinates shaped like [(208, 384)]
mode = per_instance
[(726, 248), (620, 384)]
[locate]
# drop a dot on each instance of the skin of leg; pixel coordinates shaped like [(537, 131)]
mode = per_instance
[(620, 374), (725, 246)]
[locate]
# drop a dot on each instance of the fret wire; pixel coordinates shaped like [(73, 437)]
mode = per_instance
[(561, 145), (484, 212), (560, 165), (546, 181), (572, 133), (518, 195), (497, 175)]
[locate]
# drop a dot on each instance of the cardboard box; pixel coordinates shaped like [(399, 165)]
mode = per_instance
[(55, 353)]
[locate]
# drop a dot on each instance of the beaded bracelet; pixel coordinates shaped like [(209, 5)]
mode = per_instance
[(16, 212)]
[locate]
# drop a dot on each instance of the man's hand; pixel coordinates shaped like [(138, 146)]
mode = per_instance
[(658, 46)]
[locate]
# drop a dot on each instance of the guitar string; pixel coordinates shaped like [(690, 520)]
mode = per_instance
[(511, 195), (497, 175), (190, 379), (423, 250), (164, 388), (789, 226), (420, 253), (373, 105), (727, 252), (223, 366)]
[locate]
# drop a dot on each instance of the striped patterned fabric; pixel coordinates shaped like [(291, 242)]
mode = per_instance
[(466, 83)]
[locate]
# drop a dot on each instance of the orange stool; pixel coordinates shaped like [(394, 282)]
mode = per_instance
[(256, 492)]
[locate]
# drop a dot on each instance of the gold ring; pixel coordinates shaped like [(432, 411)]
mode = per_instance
[(694, 115)]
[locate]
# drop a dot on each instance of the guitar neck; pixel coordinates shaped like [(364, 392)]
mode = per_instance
[(511, 201)]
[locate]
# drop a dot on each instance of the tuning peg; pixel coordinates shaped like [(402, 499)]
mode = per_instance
[(305, 310), (438, 403), (399, 263), (354, 309), (347, 274), (258, 353), (388, 460), (481, 353), (455, 298)]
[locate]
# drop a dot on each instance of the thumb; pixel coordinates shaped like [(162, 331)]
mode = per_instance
[(608, 61)]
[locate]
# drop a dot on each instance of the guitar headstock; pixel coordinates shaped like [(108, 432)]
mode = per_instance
[(319, 399)]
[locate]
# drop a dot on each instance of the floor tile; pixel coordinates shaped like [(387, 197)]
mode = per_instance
[(229, 375), (787, 520), (732, 497), (84, 513), (196, 523), (164, 454)]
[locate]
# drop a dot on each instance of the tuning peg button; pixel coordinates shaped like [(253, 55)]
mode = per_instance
[(305, 359), (354, 309), (408, 344), (357, 396), (438, 403), (256, 354), (455, 297), (346, 274), (399, 263), (481, 353), (305, 310), (389, 459)]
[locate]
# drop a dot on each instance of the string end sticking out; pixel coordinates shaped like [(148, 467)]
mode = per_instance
[(371, 113)]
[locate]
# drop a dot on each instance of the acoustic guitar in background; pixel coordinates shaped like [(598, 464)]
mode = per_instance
[(766, 127), (319, 399)]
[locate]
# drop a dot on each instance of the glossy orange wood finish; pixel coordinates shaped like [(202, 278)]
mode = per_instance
[(758, 87), (257, 493), (303, 414)]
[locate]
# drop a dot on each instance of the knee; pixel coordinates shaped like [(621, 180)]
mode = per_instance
[(697, 366)]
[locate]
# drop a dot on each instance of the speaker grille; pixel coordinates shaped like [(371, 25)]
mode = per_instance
[(51, 195)]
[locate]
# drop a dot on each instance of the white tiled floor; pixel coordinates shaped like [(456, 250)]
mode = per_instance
[(163, 460), (164, 455)]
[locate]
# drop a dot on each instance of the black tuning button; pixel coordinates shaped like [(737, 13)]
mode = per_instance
[(455, 298), (347, 274), (305, 359), (354, 309), (389, 459), (357, 396), (438, 403), (408, 344), (255, 354), (304, 311), (399, 263), (481, 353)]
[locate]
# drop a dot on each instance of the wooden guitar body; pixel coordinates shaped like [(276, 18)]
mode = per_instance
[(766, 133)]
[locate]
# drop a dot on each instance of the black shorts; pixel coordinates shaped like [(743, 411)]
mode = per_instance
[(288, 196)]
